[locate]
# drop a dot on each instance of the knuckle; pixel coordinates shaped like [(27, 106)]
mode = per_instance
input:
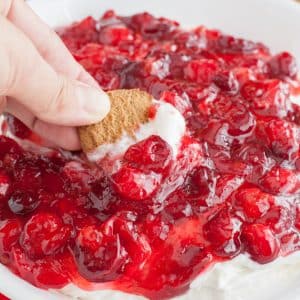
[(56, 104), (43, 48)]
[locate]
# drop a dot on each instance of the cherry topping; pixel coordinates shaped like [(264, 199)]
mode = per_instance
[(202, 71), (99, 254), (45, 273), (297, 219), (135, 184), (202, 180), (239, 119), (44, 234), (21, 203), (114, 34), (279, 181), (9, 147), (152, 154), (260, 242), (18, 128), (27, 174), (267, 98), (10, 231), (222, 234), (254, 202), (226, 81), (283, 137), (5, 184), (283, 65)]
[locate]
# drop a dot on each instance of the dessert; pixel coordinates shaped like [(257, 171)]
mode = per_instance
[(162, 218)]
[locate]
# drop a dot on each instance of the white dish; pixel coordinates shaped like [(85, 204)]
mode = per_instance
[(274, 22)]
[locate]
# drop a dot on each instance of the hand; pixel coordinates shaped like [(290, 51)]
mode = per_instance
[(40, 82)]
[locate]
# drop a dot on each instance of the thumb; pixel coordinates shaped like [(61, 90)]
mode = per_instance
[(49, 96)]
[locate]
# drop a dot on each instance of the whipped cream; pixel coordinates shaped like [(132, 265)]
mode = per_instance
[(168, 123)]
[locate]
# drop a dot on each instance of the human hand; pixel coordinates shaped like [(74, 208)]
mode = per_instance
[(40, 82)]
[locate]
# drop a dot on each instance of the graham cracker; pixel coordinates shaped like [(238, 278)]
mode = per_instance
[(129, 109)]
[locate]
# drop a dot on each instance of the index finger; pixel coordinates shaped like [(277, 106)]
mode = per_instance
[(47, 42)]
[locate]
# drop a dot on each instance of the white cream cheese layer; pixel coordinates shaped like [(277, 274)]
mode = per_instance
[(168, 123)]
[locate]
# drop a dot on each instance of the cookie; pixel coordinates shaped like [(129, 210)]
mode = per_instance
[(129, 109)]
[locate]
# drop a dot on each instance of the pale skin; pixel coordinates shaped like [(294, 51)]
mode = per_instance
[(40, 82)]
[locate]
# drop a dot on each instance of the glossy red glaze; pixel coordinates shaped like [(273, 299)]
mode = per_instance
[(157, 223), (2, 297)]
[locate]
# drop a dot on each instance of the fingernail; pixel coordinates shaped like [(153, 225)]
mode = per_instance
[(95, 102)]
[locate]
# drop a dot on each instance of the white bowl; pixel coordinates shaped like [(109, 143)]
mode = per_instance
[(274, 22)]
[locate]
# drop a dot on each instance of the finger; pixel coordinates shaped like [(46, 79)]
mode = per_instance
[(50, 97), (47, 42), (61, 136), (2, 103)]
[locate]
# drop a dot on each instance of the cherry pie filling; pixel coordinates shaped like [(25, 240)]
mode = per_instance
[(159, 221)]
